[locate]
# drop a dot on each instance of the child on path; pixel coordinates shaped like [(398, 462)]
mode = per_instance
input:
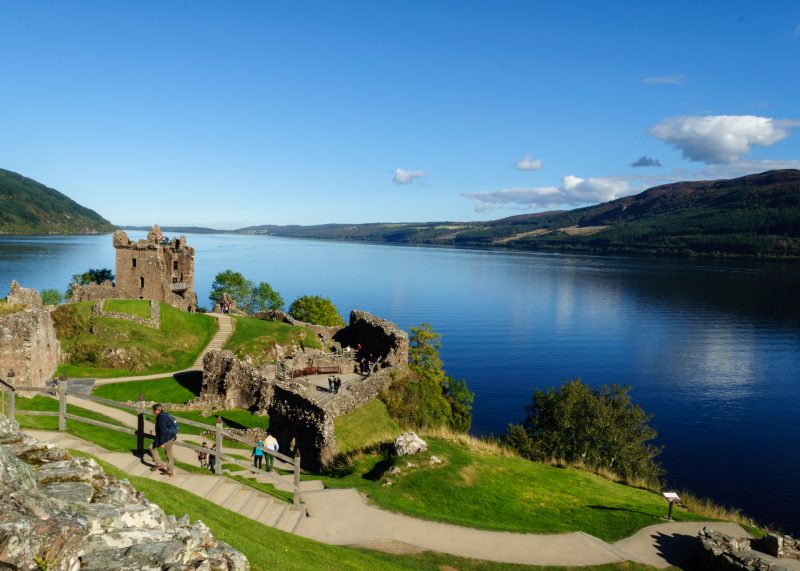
[(203, 457), (258, 455)]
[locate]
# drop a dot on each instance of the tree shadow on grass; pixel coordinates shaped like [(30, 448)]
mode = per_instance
[(190, 380), (379, 469)]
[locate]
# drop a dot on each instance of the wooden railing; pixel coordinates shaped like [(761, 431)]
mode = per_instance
[(62, 390)]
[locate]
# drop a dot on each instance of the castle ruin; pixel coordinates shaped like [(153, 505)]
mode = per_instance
[(156, 268)]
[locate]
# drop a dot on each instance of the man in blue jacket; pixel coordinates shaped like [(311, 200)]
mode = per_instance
[(166, 434)]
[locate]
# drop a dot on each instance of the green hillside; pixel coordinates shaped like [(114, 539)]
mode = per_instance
[(755, 215), (28, 207)]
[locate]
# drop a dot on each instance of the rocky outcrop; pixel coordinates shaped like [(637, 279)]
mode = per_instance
[(28, 342), (65, 513), (409, 443), (721, 552)]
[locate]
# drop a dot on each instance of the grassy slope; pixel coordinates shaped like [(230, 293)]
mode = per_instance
[(268, 548), (365, 426), (28, 207), (256, 338), (137, 307), (503, 493), (165, 390), (174, 346)]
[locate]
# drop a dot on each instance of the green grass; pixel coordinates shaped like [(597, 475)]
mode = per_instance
[(267, 548), (257, 338), (268, 489), (103, 437), (173, 390), (137, 307), (365, 426), (503, 493), (91, 342)]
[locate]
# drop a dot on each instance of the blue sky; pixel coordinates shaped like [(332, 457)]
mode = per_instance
[(242, 113)]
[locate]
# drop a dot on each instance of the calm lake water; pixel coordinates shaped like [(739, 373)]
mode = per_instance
[(712, 348)]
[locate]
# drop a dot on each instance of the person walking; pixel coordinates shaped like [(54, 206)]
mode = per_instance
[(258, 455), (271, 444), (212, 458), (166, 434)]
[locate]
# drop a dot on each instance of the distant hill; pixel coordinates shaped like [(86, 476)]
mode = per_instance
[(754, 215), (28, 207)]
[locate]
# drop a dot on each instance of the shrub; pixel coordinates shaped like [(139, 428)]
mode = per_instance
[(317, 310)]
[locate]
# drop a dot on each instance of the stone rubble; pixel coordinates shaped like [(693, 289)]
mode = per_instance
[(64, 513), (721, 552)]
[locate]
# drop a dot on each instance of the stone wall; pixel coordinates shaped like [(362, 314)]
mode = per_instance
[(377, 337), (294, 415), (28, 342), (95, 292), (65, 513)]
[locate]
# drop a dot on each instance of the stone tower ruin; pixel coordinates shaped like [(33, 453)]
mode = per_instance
[(156, 268)]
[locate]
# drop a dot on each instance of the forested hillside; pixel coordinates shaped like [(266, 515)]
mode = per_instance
[(28, 207), (755, 215)]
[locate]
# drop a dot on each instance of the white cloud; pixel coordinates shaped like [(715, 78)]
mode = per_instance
[(677, 79), (402, 176), (720, 138), (527, 163), (573, 191)]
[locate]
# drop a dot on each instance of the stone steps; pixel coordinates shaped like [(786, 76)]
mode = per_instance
[(219, 339), (220, 490)]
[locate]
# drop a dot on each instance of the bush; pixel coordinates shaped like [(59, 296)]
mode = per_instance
[(424, 396), (317, 310), (51, 297), (599, 428)]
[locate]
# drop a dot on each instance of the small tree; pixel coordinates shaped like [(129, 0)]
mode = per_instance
[(235, 285), (51, 297), (600, 428), (317, 310), (263, 297)]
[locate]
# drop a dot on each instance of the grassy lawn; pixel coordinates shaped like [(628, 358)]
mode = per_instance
[(364, 426), (503, 493), (267, 548), (137, 307), (257, 338), (106, 347), (179, 389)]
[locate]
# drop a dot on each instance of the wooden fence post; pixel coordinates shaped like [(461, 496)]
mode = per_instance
[(296, 487), (140, 426), (11, 405), (218, 463), (62, 405)]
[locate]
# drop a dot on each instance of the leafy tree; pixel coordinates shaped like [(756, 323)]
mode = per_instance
[(91, 276), (263, 297), (51, 297), (315, 309), (600, 428), (425, 396), (235, 285)]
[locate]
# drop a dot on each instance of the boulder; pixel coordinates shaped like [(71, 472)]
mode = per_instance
[(66, 513), (409, 443)]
